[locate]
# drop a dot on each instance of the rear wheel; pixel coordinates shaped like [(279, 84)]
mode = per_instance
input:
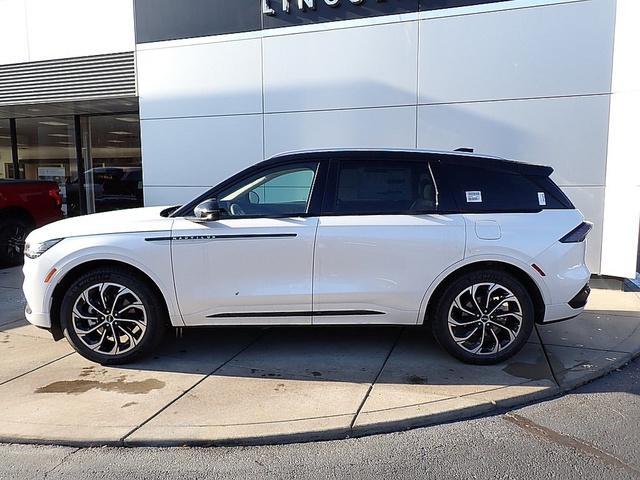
[(111, 316), (483, 317), (13, 232)]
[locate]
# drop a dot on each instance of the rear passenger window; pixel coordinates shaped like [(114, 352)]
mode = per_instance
[(383, 187), (476, 189)]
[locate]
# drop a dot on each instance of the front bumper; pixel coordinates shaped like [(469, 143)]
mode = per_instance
[(42, 320), (37, 292)]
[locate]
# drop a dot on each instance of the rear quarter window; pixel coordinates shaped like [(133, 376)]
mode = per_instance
[(473, 189)]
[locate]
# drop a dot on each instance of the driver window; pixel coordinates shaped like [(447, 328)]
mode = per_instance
[(281, 191)]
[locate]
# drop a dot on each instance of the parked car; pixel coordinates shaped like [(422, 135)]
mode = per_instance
[(24, 205), (114, 188), (480, 248)]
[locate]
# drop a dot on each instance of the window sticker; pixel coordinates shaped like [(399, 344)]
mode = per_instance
[(542, 200), (474, 196)]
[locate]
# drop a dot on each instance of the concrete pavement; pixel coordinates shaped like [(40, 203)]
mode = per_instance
[(591, 432), (255, 386)]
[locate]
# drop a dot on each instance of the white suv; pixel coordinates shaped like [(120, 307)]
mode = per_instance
[(479, 248)]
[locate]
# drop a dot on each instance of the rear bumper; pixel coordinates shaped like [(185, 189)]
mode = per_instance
[(580, 300), (569, 310)]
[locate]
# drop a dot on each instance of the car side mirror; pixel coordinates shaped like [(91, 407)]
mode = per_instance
[(207, 211)]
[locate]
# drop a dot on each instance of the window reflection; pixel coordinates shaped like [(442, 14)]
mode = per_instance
[(46, 151), (111, 159), (6, 159), (113, 164)]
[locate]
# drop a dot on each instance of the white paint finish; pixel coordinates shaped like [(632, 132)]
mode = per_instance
[(199, 151), (488, 230), (73, 28), (563, 264), (237, 275), (562, 49), (169, 195), (383, 263), (386, 263), (569, 134), (117, 236), (13, 32), (209, 79), (590, 201), (358, 67), (361, 128)]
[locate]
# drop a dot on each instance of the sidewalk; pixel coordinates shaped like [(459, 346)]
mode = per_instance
[(258, 385)]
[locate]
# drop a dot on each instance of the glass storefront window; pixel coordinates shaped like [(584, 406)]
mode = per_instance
[(46, 151), (113, 163), (6, 158), (111, 159)]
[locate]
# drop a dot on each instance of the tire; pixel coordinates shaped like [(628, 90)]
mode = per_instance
[(13, 232), (108, 300), (483, 338)]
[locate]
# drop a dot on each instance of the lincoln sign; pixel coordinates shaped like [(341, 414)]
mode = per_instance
[(304, 4)]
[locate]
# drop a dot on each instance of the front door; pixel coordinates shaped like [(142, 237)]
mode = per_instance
[(380, 242), (254, 265)]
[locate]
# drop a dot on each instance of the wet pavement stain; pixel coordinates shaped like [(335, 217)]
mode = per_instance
[(416, 380), (76, 387), (565, 440), (87, 371), (529, 371)]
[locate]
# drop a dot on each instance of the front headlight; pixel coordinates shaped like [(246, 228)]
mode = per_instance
[(34, 250)]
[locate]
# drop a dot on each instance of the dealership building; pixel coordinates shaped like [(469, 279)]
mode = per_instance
[(132, 102)]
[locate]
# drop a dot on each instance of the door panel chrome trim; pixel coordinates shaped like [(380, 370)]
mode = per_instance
[(182, 238), (319, 313)]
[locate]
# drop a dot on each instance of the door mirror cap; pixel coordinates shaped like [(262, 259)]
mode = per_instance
[(207, 211)]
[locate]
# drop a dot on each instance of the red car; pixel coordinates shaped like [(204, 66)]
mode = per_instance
[(24, 205)]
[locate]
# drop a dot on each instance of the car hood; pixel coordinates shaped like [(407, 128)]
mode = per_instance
[(120, 221)]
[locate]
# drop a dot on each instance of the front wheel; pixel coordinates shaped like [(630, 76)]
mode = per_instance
[(110, 316), (483, 317)]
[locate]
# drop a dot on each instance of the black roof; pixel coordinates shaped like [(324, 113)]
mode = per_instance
[(450, 158), (461, 159)]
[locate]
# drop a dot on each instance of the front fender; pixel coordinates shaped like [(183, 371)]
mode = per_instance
[(151, 258)]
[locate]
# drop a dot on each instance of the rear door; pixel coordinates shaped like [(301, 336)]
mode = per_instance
[(381, 241)]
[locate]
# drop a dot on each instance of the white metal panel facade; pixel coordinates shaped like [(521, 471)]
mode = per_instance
[(543, 81)]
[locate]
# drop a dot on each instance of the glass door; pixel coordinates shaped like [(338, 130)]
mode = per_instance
[(46, 151), (112, 162), (6, 156)]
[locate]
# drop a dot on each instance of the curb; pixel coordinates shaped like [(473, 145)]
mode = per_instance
[(484, 409)]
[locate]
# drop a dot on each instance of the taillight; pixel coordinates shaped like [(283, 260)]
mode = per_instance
[(55, 194), (578, 234)]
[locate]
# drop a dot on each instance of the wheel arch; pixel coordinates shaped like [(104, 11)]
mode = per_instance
[(79, 270), (525, 278)]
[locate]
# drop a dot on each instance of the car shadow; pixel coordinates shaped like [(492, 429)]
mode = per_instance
[(362, 354)]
